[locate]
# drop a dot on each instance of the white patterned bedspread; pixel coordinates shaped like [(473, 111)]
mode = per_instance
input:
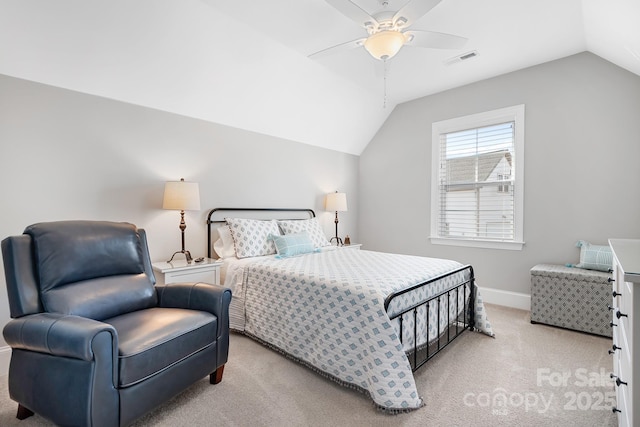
[(327, 310)]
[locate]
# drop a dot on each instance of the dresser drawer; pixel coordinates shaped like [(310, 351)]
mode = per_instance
[(623, 404), (626, 306)]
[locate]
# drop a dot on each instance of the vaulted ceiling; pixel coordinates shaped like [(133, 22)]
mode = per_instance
[(244, 63)]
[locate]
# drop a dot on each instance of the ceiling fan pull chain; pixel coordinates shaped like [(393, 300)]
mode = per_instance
[(384, 103)]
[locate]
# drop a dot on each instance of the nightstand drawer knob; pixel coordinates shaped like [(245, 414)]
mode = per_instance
[(611, 279), (612, 324), (614, 410), (609, 307), (615, 294), (613, 350)]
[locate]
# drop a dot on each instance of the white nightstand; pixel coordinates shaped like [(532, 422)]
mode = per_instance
[(207, 271)]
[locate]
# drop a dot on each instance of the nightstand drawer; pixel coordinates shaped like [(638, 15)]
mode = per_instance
[(207, 271), (355, 246), (202, 275)]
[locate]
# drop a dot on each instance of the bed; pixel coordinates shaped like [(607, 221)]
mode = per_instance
[(365, 319)]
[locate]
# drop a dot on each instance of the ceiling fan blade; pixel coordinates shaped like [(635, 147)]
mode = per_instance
[(338, 48), (354, 12), (413, 11), (434, 40)]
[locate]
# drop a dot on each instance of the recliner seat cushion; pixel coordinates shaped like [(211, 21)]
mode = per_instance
[(151, 340), (103, 297)]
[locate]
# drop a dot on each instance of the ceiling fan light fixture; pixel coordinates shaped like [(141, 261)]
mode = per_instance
[(385, 44)]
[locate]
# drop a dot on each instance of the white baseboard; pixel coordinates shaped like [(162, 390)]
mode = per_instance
[(506, 298), (5, 357)]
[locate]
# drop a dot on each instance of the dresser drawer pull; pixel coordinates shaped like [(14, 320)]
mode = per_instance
[(613, 350), (611, 279), (619, 314), (618, 380), (609, 307), (615, 294), (612, 324), (614, 410)]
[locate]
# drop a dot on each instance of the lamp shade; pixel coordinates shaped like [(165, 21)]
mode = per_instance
[(385, 44), (336, 202), (181, 195)]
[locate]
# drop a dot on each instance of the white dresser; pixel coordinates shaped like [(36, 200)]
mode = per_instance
[(626, 327)]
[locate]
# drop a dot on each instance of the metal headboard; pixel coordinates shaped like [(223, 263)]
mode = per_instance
[(217, 216)]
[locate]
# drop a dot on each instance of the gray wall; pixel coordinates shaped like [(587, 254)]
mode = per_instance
[(67, 155), (582, 166)]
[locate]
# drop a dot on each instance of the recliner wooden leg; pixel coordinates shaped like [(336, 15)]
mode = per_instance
[(216, 376), (23, 412)]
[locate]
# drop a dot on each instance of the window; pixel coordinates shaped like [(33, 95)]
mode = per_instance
[(503, 188), (477, 180)]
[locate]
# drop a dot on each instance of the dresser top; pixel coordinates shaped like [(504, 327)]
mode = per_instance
[(627, 251)]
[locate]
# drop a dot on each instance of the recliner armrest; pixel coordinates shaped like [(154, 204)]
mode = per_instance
[(58, 335), (212, 298)]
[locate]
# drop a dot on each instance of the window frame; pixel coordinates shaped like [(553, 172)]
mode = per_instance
[(508, 114)]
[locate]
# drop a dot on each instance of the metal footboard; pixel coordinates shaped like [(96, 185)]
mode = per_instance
[(463, 319)]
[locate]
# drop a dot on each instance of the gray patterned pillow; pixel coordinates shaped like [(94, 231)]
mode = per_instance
[(311, 226), (251, 236)]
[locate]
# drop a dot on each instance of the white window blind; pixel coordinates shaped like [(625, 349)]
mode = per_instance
[(476, 185), (473, 167)]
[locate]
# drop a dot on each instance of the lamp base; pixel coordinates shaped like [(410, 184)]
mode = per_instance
[(338, 241), (187, 255)]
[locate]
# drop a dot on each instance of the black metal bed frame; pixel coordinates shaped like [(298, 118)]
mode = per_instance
[(421, 353)]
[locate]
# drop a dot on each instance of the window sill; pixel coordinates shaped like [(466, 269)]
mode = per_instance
[(487, 244)]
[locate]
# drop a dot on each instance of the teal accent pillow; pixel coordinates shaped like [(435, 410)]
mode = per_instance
[(594, 257), (294, 244)]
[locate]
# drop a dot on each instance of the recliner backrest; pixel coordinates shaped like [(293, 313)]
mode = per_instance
[(94, 269), (72, 251)]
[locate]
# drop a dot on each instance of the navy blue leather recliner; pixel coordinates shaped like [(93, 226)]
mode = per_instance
[(94, 341)]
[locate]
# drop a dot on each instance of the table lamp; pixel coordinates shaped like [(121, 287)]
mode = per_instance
[(336, 202), (182, 196)]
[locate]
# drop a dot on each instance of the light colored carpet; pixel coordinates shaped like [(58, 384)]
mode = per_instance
[(529, 375)]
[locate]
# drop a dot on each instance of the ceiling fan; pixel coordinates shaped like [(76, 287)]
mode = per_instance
[(388, 30)]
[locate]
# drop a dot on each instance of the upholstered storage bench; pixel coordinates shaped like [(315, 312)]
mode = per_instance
[(571, 298)]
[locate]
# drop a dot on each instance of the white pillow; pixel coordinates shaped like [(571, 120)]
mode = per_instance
[(251, 236), (311, 226), (224, 244)]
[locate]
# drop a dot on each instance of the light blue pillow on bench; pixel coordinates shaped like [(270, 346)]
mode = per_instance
[(594, 257)]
